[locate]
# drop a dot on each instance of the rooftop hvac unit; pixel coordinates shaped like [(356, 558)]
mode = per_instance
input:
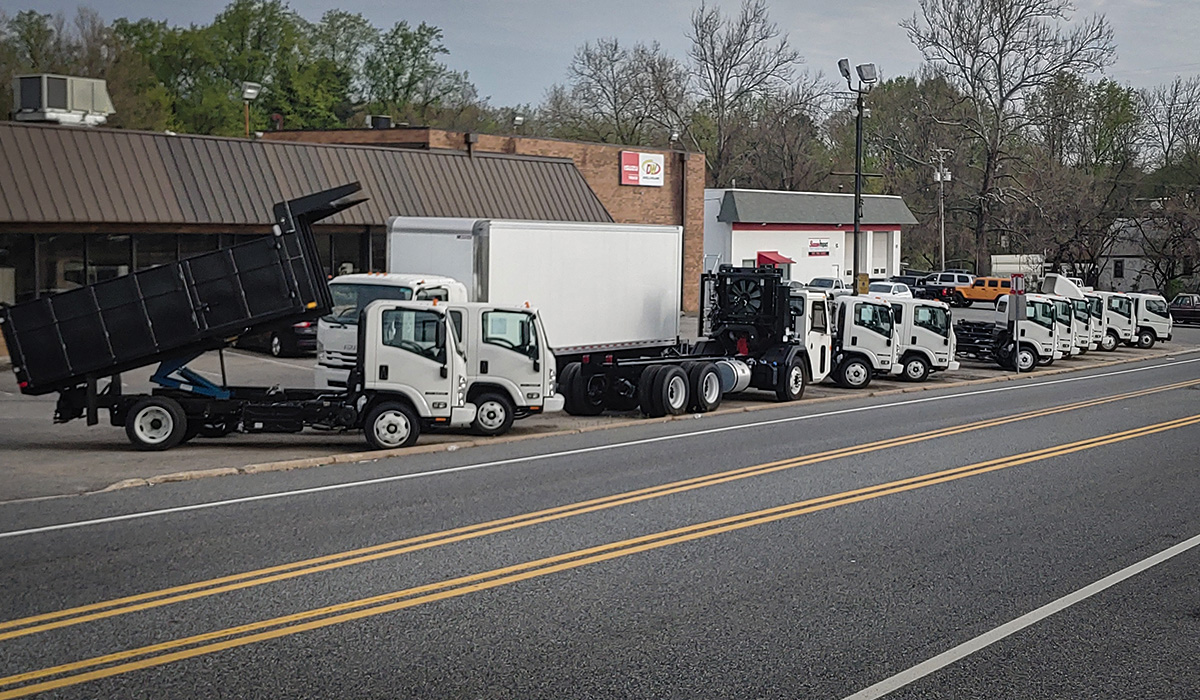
[(61, 99), (379, 121)]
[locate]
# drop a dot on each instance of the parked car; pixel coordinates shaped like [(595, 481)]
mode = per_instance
[(832, 286), (910, 279), (942, 285), (983, 289), (892, 289), (285, 341), (1185, 308)]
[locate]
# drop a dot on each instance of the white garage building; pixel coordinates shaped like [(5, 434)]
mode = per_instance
[(808, 234)]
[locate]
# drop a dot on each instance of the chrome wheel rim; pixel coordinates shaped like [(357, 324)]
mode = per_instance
[(711, 388), (391, 428), (492, 415), (676, 392), (153, 425), (796, 380)]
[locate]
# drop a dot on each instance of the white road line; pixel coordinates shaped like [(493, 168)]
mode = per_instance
[(1009, 628), (563, 453)]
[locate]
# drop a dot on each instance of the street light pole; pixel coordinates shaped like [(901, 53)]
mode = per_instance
[(942, 177), (250, 93), (866, 78)]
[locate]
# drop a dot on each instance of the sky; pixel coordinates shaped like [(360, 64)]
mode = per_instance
[(514, 50)]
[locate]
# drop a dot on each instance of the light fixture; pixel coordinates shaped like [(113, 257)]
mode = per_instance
[(867, 73), (518, 120), (250, 91), (674, 135), (844, 68)]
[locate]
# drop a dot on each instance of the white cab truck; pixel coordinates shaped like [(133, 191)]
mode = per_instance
[(924, 335), (1095, 305), (1064, 317), (510, 369), (864, 341), (611, 289), (1037, 333), (337, 332), (1152, 320), (1082, 324), (1118, 320)]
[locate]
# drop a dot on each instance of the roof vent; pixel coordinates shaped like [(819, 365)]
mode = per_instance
[(379, 121), (61, 99)]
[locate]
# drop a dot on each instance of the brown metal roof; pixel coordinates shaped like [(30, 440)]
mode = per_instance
[(62, 175)]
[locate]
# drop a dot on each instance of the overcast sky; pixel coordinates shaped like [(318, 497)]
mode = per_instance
[(515, 49)]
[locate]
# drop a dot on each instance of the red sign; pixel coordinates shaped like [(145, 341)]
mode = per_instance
[(642, 169), (1018, 283), (630, 168)]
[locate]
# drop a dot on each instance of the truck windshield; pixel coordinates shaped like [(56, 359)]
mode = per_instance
[(875, 318), (1081, 309), (1040, 312), (1120, 306), (350, 298), (932, 318), (1096, 307), (512, 330)]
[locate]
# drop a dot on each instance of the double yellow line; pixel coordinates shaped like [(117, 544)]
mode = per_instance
[(12, 629), (243, 635)]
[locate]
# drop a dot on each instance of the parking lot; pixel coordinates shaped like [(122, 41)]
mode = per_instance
[(45, 459)]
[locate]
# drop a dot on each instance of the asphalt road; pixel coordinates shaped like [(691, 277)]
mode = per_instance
[(804, 551)]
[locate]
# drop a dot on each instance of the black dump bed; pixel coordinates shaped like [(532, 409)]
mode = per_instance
[(173, 310)]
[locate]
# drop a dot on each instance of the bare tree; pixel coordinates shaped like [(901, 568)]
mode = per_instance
[(998, 53), (735, 61), (1172, 116)]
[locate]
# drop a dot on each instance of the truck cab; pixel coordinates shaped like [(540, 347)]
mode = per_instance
[(1118, 320), (810, 327), (1095, 319), (925, 337), (1081, 325), (414, 373), (510, 367), (1064, 317), (1152, 320), (337, 332), (865, 341), (1037, 333)]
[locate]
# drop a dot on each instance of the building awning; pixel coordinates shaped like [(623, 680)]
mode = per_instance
[(772, 257)]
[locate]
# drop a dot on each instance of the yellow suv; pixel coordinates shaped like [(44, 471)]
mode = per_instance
[(985, 289)]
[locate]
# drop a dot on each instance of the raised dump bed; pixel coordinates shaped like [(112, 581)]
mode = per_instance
[(174, 311)]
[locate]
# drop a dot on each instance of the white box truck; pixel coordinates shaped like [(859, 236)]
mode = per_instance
[(599, 288)]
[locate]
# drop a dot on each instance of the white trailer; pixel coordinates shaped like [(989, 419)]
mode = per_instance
[(599, 288)]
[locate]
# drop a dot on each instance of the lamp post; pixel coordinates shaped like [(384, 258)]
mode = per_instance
[(867, 76), (942, 176), (250, 92)]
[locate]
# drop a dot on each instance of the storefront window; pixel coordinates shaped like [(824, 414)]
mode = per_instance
[(345, 254), (152, 249), (108, 257), (17, 278), (378, 252), (61, 262), (195, 244)]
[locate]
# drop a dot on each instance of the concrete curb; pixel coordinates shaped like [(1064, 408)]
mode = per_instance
[(359, 457)]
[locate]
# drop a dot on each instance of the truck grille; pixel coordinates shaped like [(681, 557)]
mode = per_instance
[(337, 358)]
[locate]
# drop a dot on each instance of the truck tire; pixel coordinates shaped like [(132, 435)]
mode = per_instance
[(390, 425), (705, 386), (916, 368), (791, 381), (645, 391), (494, 414), (671, 391), (1146, 339), (1109, 342), (156, 423), (565, 386), (854, 373), (1027, 359), (588, 393)]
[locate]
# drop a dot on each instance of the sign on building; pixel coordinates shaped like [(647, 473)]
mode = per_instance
[(642, 169), (818, 247)]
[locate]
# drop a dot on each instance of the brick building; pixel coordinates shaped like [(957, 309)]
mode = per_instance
[(673, 198)]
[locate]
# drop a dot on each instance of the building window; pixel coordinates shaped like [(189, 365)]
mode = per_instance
[(108, 257), (1119, 269), (152, 249), (17, 278), (195, 244), (60, 262)]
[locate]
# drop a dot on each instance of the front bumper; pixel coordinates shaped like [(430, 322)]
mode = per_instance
[(462, 416), (554, 403)]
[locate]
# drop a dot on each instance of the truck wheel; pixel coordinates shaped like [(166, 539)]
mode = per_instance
[(705, 385), (1109, 342), (494, 414), (1146, 339), (854, 373), (792, 381), (276, 345), (588, 393), (390, 425), (645, 391), (671, 391), (156, 423), (565, 382), (1026, 360), (916, 368)]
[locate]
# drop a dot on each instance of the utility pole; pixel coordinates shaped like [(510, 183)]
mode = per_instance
[(942, 176)]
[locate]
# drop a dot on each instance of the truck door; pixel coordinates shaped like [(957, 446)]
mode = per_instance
[(414, 355), (818, 340), (872, 332), (930, 329), (510, 354)]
